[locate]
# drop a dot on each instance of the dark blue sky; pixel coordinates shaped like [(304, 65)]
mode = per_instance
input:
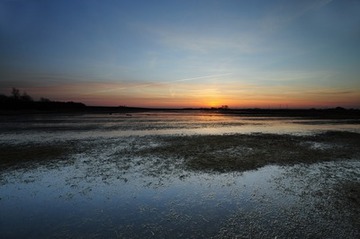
[(183, 53)]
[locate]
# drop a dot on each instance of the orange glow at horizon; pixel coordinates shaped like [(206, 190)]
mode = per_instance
[(208, 102), (194, 96)]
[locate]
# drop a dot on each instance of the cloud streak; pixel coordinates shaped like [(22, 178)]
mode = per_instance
[(136, 86), (283, 15)]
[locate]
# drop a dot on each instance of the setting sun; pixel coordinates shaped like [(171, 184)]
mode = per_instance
[(214, 103)]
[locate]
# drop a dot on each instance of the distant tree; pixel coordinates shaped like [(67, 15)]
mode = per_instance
[(224, 107), (44, 99), (15, 93), (20, 101), (26, 97)]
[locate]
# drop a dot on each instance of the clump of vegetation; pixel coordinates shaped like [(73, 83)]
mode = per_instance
[(246, 152), (31, 155), (348, 195)]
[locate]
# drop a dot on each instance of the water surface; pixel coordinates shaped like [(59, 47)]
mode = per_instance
[(87, 179)]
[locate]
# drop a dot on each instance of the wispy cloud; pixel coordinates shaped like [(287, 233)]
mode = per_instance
[(151, 84), (247, 37), (332, 92), (243, 40), (240, 39), (284, 14)]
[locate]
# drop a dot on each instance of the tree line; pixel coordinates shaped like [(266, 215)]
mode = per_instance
[(18, 100)]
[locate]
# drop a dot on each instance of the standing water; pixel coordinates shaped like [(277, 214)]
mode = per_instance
[(178, 175)]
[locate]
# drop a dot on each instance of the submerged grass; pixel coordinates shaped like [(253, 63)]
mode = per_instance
[(347, 199), (160, 155), (30, 155), (107, 161), (241, 152)]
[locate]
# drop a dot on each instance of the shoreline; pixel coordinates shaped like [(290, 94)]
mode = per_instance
[(333, 113)]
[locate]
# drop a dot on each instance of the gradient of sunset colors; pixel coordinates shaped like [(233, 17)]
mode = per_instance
[(260, 53)]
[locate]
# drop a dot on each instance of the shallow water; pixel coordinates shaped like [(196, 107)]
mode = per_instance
[(95, 190), (72, 127)]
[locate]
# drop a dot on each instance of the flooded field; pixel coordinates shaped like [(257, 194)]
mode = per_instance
[(178, 175)]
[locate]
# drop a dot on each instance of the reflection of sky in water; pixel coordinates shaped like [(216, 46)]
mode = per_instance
[(38, 128), (42, 199), (60, 202)]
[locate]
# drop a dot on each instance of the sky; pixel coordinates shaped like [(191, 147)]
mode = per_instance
[(154, 53)]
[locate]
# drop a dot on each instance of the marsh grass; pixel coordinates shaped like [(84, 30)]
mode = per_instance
[(347, 199), (161, 155), (33, 155), (239, 152)]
